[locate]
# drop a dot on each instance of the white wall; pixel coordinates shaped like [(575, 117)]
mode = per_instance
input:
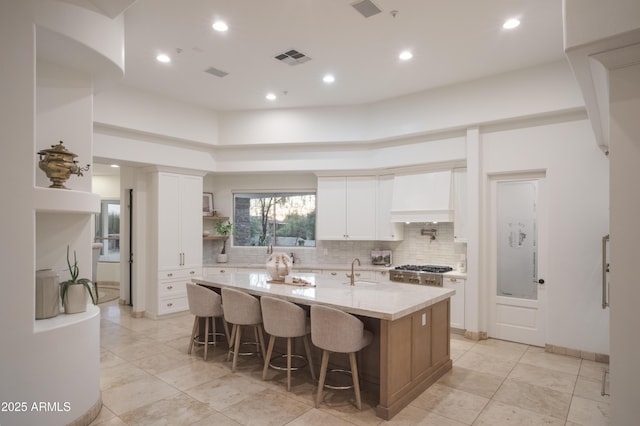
[(578, 217)]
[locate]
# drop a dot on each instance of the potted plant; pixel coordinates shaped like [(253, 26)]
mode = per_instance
[(73, 291), (223, 229)]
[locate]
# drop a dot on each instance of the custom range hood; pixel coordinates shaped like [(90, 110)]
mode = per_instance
[(422, 197)]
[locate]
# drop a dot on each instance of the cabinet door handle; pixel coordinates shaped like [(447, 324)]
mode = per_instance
[(192, 272), (453, 280)]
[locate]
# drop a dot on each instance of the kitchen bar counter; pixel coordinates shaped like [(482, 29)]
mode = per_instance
[(410, 323)]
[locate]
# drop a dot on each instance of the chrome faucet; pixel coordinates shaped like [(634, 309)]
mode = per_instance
[(352, 277)]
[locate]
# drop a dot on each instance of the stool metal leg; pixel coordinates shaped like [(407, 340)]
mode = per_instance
[(288, 364)]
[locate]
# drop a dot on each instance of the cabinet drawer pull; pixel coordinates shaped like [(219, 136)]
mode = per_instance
[(453, 280), (192, 272), (222, 271), (334, 273), (170, 274), (169, 305), (357, 274), (169, 287)]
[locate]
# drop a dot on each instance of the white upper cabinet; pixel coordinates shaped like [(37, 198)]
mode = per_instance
[(386, 230), (179, 221), (460, 205), (346, 208)]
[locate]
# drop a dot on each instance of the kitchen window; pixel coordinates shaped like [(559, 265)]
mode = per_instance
[(284, 219)]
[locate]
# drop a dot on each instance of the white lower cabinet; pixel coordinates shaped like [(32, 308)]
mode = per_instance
[(457, 301), (172, 289)]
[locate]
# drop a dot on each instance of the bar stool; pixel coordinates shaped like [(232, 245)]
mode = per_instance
[(285, 319), (242, 309), (333, 330), (207, 305)]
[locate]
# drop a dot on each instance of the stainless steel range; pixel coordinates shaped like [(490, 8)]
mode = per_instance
[(419, 274)]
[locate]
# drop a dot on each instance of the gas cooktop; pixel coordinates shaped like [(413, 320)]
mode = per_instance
[(433, 269)]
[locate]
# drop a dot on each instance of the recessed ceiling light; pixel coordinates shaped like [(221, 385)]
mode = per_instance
[(511, 23), (271, 97), (163, 57), (220, 26), (329, 78), (115, 166), (405, 55)]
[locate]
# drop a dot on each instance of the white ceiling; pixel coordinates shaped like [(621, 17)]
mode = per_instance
[(452, 41)]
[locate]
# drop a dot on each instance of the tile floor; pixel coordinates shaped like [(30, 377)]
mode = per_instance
[(148, 379)]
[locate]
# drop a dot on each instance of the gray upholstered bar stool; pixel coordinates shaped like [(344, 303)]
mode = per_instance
[(287, 320), (333, 330), (205, 304), (242, 309)]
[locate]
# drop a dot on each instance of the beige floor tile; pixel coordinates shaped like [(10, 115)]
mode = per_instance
[(104, 416), (109, 359), (592, 370), (588, 413), (341, 403), (167, 360), (192, 374), (591, 389), (475, 382), (136, 394), (225, 391), (497, 413), (217, 419), (544, 377), (484, 363), (315, 417), (539, 399), (120, 374), (556, 362), (266, 408), (414, 416), (177, 410), (500, 349), (451, 403), (138, 350)]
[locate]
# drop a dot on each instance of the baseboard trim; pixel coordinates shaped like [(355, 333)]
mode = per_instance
[(577, 353)]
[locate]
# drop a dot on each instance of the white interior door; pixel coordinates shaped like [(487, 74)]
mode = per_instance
[(517, 235)]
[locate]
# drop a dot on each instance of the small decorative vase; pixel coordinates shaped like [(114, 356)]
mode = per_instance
[(76, 299), (278, 266), (58, 163), (222, 258)]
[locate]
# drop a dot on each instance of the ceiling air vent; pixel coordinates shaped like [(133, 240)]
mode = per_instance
[(292, 57), (366, 8), (216, 72)]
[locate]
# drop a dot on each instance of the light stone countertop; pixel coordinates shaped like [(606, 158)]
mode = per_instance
[(382, 300)]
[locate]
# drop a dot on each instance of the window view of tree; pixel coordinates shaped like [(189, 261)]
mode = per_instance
[(278, 219)]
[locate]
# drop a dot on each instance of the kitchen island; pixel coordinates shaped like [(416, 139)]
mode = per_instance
[(410, 323)]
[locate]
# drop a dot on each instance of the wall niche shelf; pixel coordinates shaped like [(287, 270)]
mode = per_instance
[(65, 201)]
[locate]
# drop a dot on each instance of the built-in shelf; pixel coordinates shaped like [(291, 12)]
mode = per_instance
[(217, 218), (65, 201), (65, 320)]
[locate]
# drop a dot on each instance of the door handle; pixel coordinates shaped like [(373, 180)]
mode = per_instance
[(540, 281)]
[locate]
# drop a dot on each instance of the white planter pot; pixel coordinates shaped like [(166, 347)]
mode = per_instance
[(222, 258), (75, 300)]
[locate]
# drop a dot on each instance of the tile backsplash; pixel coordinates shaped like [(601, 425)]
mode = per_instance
[(414, 249)]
